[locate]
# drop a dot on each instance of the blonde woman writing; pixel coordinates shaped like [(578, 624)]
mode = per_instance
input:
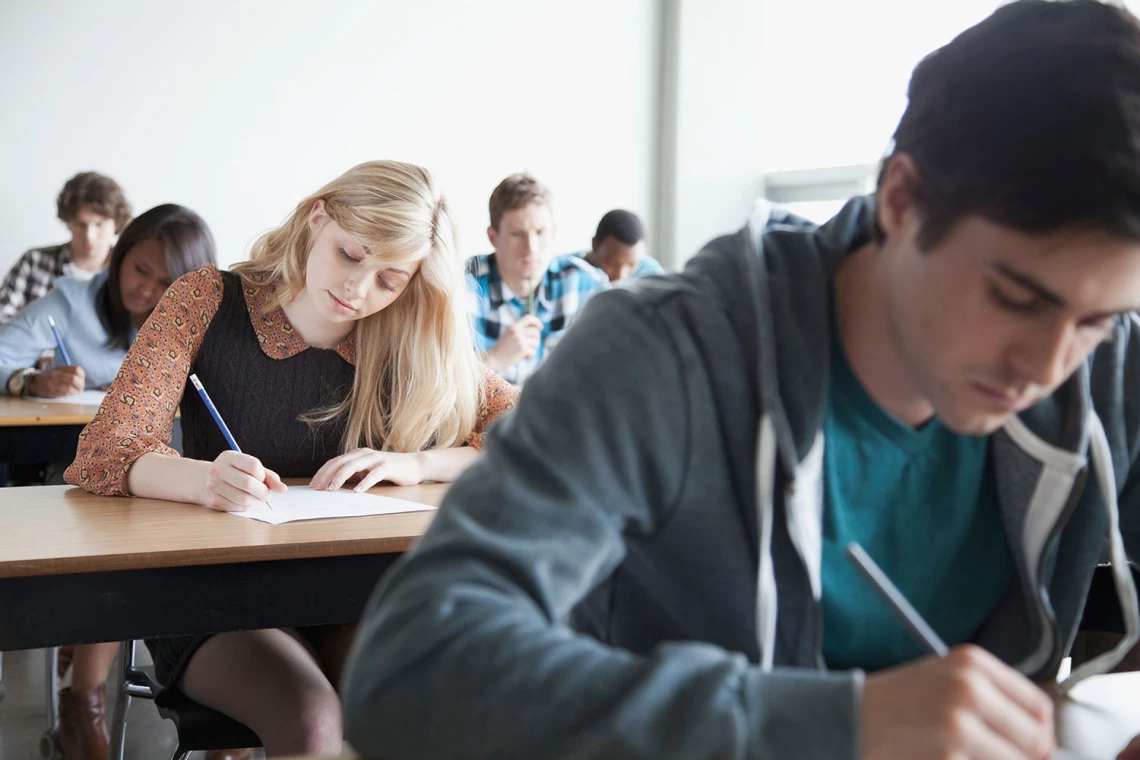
[(341, 352)]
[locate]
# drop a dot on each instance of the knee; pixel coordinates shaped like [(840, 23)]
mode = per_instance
[(316, 724)]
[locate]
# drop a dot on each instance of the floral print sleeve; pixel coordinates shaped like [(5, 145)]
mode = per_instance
[(137, 416), (499, 396)]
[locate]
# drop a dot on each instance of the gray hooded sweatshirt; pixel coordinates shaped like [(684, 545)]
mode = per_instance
[(632, 570)]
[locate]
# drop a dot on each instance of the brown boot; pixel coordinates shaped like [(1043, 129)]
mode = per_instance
[(83, 724), (229, 754)]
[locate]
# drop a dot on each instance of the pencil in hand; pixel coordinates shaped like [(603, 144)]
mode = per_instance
[(59, 341)]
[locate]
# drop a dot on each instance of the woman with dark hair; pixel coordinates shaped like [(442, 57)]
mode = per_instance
[(98, 320)]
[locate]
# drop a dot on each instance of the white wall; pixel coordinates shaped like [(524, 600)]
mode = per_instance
[(724, 96), (776, 85), (771, 85), (239, 109)]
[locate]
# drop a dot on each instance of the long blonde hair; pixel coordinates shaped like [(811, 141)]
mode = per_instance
[(418, 383)]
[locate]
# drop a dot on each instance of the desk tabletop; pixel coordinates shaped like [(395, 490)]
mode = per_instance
[(52, 530), (16, 412)]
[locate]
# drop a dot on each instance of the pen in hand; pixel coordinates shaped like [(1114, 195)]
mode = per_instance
[(59, 341)]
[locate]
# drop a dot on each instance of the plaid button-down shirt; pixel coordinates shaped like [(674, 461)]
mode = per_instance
[(34, 277), (568, 283)]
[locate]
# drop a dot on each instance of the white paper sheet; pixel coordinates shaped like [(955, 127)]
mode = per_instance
[(304, 503), (87, 398)]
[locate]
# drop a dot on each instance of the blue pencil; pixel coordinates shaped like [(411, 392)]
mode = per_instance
[(59, 341), (214, 413)]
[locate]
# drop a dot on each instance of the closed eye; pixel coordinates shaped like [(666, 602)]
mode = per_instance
[(1012, 303), (1104, 324)]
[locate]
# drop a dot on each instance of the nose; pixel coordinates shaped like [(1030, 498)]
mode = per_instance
[(1042, 356), (91, 232), (149, 289), (356, 288)]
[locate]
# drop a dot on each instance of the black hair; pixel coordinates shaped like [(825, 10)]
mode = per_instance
[(186, 243), (1031, 120), (623, 225)]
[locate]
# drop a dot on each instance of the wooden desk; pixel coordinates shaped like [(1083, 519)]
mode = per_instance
[(16, 412), (78, 568)]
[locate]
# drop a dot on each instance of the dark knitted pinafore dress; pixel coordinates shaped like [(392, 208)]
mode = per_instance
[(260, 399)]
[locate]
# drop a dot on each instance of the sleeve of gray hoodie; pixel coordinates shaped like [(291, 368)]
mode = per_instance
[(465, 651)]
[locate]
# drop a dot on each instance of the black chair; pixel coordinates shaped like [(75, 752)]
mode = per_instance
[(198, 727)]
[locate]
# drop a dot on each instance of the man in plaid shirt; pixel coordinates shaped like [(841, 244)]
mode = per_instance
[(523, 302), (94, 209)]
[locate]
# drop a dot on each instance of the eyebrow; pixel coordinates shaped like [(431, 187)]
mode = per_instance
[(1049, 296), (393, 270)]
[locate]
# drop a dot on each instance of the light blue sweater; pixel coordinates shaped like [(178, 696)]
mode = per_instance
[(72, 304)]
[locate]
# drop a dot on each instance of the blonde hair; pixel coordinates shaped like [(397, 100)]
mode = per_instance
[(418, 383)]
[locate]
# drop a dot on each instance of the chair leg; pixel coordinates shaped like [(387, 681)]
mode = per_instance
[(51, 686), (122, 700)]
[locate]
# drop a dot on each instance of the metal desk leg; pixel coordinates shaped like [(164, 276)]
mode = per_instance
[(50, 746), (122, 700)]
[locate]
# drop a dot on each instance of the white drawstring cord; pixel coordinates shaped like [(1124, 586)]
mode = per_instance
[(1101, 458), (766, 601)]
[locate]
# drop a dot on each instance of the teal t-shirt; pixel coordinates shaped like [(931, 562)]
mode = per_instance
[(923, 503)]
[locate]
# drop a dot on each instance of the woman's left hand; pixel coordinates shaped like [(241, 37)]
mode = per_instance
[(369, 467)]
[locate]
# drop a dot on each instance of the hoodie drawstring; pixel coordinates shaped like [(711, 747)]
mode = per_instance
[(1101, 458)]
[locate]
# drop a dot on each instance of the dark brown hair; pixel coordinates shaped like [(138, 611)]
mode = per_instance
[(101, 193), (514, 192)]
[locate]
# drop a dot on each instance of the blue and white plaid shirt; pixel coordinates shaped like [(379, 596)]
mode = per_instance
[(568, 283)]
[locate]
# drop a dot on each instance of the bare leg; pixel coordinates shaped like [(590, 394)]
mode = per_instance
[(91, 664), (270, 681)]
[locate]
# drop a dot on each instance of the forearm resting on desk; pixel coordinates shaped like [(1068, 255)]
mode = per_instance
[(157, 476)]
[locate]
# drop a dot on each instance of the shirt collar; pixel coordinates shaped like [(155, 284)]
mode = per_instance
[(503, 294), (276, 336)]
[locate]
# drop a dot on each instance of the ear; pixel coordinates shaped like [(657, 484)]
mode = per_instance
[(895, 206), (594, 244), (493, 236), (317, 215)]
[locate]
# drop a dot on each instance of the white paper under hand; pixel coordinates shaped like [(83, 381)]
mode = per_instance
[(304, 503)]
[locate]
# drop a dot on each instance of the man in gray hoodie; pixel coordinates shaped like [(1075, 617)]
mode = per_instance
[(647, 562)]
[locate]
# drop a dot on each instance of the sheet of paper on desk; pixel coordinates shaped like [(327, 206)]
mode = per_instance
[(304, 503), (87, 398)]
